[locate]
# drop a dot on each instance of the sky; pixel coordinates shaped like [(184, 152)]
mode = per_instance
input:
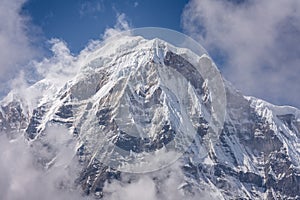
[(253, 42), (78, 21)]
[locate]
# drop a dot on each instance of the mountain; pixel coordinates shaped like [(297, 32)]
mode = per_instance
[(137, 106)]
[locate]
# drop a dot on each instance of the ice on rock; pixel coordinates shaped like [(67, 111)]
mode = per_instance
[(139, 105)]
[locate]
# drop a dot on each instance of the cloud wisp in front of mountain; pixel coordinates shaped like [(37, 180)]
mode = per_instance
[(166, 184), (258, 40), (24, 177)]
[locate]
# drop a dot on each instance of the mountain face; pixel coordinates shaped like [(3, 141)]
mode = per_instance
[(139, 105)]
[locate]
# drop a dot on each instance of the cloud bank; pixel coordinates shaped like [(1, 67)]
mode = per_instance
[(256, 42)]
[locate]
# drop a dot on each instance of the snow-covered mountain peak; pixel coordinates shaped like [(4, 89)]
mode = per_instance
[(138, 105)]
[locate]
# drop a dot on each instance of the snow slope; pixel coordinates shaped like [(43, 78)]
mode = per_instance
[(137, 105)]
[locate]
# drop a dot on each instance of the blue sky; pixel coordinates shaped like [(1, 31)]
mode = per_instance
[(78, 21), (254, 43)]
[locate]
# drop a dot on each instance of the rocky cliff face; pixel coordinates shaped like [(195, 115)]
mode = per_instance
[(136, 100)]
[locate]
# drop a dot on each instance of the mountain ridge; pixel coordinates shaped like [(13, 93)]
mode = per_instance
[(133, 88)]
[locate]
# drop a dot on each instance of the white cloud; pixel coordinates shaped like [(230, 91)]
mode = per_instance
[(259, 41), (47, 74), (23, 177), (166, 184), (122, 24), (144, 188), (15, 44), (61, 66)]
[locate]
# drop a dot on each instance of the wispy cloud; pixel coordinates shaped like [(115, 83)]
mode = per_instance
[(122, 24), (258, 40), (15, 43), (91, 7), (166, 184), (23, 177)]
